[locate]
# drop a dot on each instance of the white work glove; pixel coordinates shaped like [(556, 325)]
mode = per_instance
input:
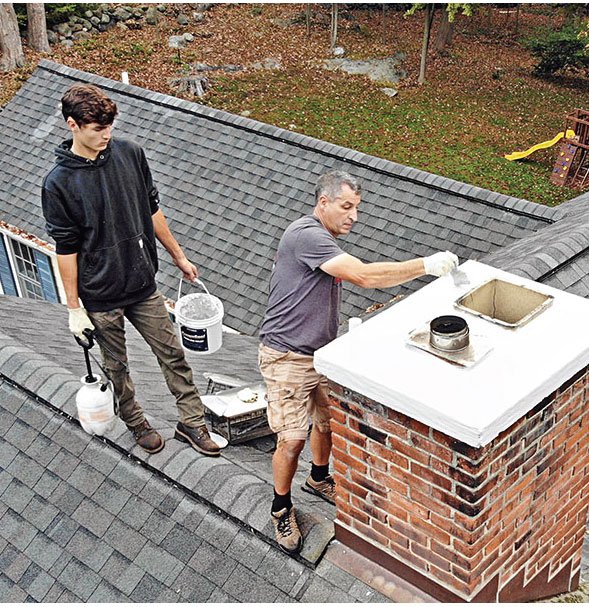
[(440, 264), (79, 321)]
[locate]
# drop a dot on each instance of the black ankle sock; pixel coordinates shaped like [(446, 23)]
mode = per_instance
[(281, 501), (319, 473)]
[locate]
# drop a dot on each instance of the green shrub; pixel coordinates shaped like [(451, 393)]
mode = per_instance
[(558, 51)]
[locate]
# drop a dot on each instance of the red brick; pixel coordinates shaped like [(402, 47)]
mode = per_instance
[(354, 512), (436, 508), (370, 459), (338, 415), (352, 487), (371, 485), (390, 427), (430, 557), (430, 530), (409, 451), (372, 534), (447, 579), (348, 434), (352, 462), (370, 510), (442, 452), (410, 479), (390, 482), (390, 455), (389, 505), (393, 536), (450, 555), (338, 441), (409, 532)]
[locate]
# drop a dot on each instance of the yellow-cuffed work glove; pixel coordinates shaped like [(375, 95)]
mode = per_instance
[(440, 264), (79, 321)]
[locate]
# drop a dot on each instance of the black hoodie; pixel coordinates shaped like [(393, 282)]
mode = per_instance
[(102, 210)]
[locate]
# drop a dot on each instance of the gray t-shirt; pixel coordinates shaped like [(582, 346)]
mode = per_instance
[(303, 305)]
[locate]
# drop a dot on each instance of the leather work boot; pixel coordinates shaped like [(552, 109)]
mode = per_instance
[(324, 489), (147, 438), (197, 438), (286, 529)]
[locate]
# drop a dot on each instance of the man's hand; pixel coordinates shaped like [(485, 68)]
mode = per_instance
[(440, 264), (79, 321), (189, 270)]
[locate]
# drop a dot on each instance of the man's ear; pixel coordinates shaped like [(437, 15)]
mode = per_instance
[(72, 124)]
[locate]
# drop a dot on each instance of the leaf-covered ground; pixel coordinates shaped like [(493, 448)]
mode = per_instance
[(479, 102)]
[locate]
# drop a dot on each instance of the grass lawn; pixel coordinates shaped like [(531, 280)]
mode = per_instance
[(478, 103)]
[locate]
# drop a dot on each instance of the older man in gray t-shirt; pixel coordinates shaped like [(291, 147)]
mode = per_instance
[(302, 316)]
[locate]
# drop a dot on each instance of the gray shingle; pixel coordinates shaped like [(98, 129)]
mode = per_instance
[(282, 572), (16, 530), (244, 587), (159, 563), (217, 531), (121, 573), (43, 551), (124, 539), (79, 579), (25, 469), (93, 517), (213, 564), (193, 587), (111, 496), (88, 549), (17, 496), (40, 513), (181, 543)]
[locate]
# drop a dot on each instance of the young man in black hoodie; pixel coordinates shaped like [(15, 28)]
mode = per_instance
[(102, 210)]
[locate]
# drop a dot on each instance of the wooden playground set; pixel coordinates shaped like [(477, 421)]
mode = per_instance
[(571, 166)]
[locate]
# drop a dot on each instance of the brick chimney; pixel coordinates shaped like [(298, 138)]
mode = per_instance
[(471, 482)]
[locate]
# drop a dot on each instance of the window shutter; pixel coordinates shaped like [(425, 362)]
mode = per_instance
[(46, 276), (6, 276)]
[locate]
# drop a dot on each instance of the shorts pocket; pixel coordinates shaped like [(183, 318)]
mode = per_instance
[(280, 401)]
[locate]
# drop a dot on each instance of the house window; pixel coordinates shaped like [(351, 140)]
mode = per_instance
[(28, 274), (25, 271)]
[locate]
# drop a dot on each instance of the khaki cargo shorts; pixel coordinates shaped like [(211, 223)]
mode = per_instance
[(296, 392)]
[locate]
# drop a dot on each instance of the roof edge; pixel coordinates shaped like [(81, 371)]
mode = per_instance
[(474, 193)]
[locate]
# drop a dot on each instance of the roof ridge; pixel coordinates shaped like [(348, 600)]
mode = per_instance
[(508, 203)]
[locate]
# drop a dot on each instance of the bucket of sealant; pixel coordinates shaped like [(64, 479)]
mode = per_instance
[(200, 319)]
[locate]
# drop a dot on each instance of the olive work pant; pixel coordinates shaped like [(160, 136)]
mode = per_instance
[(151, 319)]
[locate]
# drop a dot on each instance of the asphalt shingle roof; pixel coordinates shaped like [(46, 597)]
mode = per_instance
[(38, 354), (557, 255), (230, 185), (98, 527)]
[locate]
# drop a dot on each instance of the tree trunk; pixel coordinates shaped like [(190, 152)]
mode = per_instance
[(10, 43), (37, 27), (444, 36), (384, 27), (334, 12), (308, 18), (427, 28)]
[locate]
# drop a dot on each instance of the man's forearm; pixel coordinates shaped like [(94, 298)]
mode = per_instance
[(163, 234), (68, 269)]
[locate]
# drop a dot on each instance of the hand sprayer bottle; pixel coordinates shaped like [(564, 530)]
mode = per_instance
[(95, 405)]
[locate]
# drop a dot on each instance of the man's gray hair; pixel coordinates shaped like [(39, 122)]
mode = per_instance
[(330, 184)]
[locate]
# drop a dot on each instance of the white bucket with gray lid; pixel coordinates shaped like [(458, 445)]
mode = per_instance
[(200, 320)]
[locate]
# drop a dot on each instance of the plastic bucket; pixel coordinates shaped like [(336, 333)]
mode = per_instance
[(200, 320)]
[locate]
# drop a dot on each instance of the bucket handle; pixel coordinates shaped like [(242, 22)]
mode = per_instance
[(194, 282)]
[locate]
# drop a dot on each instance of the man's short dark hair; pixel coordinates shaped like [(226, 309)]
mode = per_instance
[(330, 184), (87, 104)]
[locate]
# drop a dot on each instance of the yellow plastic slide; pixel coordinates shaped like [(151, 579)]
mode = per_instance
[(540, 146)]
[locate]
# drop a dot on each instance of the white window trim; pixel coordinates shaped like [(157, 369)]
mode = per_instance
[(45, 249)]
